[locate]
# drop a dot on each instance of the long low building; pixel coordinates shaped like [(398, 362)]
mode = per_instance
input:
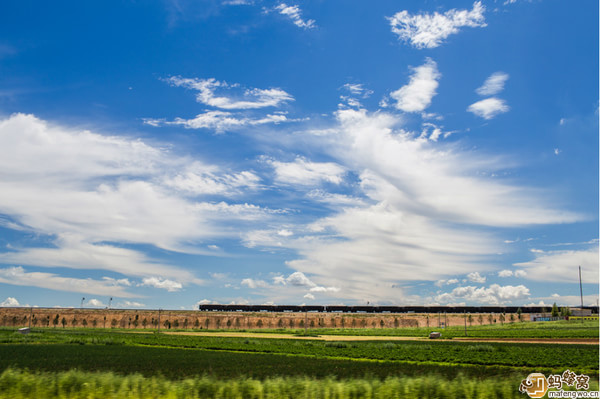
[(381, 309)]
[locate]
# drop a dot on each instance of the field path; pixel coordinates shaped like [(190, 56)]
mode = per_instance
[(566, 341)]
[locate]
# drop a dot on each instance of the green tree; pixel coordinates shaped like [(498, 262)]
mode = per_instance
[(84, 322), (555, 311), (196, 323), (56, 320), (519, 314), (74, 322), (94, 323), (565, 311), (480, 319), (512, 318), (144, 322), (113, 323), (470, 319), (63, 321), (502, 318)]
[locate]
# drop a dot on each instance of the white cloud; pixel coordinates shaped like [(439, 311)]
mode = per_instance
[(18, 276), (489, 108), (130, 305), (417, 94), (557, 151), (96, 303), (566, 300), (475, 277), (299, 279), (430, 30), (520, 273), (203, 179), (505, 273), (493, 84), (162, 283), (251, 283), (203, 302), (220, 121), (71, 252), (97, 190), (249, 99), (421, 217), (357, 89), (451, 281), (121, 281), (494, 294), (324, 289), (562, 266), (304, 172), (12, 302), (295, 14), (309, 296)]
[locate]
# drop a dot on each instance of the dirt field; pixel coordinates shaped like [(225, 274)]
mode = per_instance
[(190, 319)]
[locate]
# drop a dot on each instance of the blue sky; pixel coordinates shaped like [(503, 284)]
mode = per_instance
[(175, 152)]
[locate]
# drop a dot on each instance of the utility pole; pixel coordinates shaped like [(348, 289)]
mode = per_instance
[(109, 302), (82, 299), (581, 293)]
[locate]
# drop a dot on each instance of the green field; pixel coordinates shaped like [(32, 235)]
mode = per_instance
[(183, 363), (550, 329)]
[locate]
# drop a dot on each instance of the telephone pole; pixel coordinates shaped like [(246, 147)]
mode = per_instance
[(581, 293)]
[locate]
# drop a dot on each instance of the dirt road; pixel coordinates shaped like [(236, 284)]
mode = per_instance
[(568, 341)]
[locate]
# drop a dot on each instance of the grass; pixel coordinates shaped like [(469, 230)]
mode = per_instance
[(546, 329), (20, 384), (63, 349), (94, 363)]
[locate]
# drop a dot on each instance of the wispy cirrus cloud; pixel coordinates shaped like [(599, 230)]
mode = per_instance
[(294, 13), (430, 30), (98, 193), (494, 84), (422, 215), (306, 173), (19, 276), (219, 121), (247, 99), (416, 96), (562, 265)]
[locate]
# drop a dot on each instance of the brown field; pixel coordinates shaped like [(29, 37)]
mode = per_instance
[(190, 319)]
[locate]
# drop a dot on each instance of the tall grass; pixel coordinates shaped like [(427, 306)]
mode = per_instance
[(17, 384)]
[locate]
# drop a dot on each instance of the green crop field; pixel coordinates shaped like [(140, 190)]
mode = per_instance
[(110, 360), (550, 329)]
